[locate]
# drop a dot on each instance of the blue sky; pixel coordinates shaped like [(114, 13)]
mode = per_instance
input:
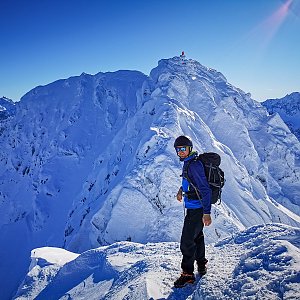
[(254, 43)]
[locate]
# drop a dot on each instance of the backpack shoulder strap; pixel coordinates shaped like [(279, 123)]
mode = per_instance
[(186, 169), (186, 176)]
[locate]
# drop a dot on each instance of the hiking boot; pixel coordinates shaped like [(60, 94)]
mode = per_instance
[(184, 279), (202, 269)]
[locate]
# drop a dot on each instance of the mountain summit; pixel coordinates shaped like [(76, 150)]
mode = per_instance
[(89, 161), (7, 108)]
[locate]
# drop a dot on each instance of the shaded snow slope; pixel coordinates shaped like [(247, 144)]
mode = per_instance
[(47, 151), (262, 262), (288, 108), (89, 161)]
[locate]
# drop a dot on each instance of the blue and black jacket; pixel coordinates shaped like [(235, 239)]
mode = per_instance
[(195, 173)]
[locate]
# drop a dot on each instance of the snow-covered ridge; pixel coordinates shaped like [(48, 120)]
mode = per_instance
[(89, 161), (269, 268), (288, 108)]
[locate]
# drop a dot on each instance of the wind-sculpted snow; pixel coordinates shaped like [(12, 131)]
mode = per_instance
[(262, 262), (89, 161)]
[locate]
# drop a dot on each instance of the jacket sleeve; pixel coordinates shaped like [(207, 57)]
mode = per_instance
[(197, 175)]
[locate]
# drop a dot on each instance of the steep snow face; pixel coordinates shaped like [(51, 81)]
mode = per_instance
[(262, 262), (89, 161), (288, 108), (50, 146), (47, 151)]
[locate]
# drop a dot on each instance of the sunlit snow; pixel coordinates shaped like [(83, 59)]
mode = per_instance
[(88, 162)]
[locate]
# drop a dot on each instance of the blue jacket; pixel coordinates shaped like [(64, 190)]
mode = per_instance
[(197, 176)]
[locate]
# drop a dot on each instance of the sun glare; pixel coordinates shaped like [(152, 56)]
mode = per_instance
[(271, 25), (264, 32)]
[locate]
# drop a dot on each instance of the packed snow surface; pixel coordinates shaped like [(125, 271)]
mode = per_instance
[(262, 262)]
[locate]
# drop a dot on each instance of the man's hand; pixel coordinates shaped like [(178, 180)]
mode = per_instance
[(206, 219), (179, 195)]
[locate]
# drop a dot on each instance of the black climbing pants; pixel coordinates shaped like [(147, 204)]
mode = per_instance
[(192, 240)]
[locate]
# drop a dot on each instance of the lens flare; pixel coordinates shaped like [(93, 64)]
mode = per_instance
[(272, 24), (294, 8), (263, 33)]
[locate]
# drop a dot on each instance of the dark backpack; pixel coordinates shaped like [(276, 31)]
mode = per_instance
[(215, 176)]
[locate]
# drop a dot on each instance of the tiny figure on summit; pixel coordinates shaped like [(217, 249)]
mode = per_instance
[(182, 57)]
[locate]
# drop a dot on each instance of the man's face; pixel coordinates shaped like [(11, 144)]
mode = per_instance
[(183, 151)]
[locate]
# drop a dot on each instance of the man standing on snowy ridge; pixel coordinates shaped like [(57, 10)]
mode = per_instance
[(194, 185)]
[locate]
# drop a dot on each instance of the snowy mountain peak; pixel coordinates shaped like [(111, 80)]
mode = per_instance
[(288, 108), (7, 108), (89, 161), (289, 103), (186, 67)]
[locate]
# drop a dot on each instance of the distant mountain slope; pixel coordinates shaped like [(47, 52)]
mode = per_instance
[(89, 161), (7, 108), (259, 263), (288, 108)]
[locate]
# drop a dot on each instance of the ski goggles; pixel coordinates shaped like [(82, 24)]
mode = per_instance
[(180, 149)]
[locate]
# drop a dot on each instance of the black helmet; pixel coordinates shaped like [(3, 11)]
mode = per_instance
[(183, 141)]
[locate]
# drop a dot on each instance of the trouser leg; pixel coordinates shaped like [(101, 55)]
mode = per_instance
[(200, 247), (192, 240)]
